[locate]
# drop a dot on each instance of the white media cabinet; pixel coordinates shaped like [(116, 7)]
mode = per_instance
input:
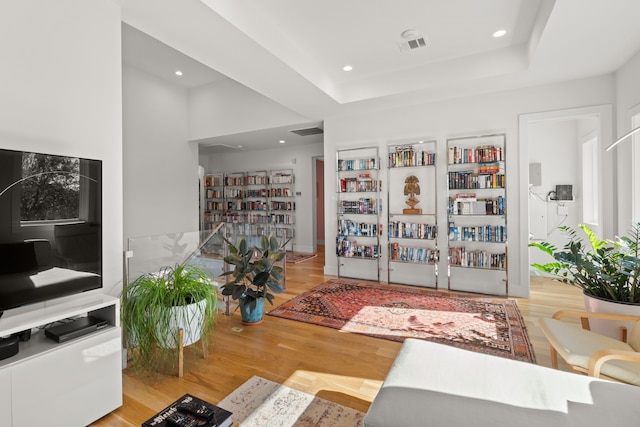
[(62, 384)]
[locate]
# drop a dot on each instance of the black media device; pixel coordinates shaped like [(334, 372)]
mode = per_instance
[(564, 192), (75, 328), (9, 346)]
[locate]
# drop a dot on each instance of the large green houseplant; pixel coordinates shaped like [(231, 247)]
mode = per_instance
[(156, 305), (255, 275), (605, 269)]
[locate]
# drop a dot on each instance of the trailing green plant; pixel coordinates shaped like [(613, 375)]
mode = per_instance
[(607, 269), (147, 316), (255, 273)]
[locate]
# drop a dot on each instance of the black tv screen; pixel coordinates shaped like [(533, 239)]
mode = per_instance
[(50, 227)]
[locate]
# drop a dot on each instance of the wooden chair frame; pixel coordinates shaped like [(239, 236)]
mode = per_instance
[(600, 357)]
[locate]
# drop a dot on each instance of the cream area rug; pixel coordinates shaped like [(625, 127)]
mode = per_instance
[(260, 402)]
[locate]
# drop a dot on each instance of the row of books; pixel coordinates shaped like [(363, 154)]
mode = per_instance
[(471, 180), (477, 258), (470, 206), (281, 178), (214, 206), (233, 193), (357, 164), (409, 157), (494, 167), (210, 217), (280, 192), (409, 230), (483, 154), (212, 181), (347, 227), (351, 249), (285, 232), (354, 185), (239, 205), (283, 206), (360, 206), (478, 233), (258, 229), (248, 180), (260, 192), (409, 254), (237, 217), (256, 180), (213, 194)]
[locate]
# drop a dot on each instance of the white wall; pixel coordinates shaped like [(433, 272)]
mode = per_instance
[(61, 94), (160, 165), (280, 159), (226, 107), (627, 97), (497, 112)]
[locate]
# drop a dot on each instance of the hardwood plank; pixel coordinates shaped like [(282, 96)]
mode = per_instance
[(342, 367)]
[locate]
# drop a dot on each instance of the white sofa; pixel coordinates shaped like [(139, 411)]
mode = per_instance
[(437, 385)]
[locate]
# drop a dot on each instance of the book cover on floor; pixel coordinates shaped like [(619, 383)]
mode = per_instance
[(190, 411)]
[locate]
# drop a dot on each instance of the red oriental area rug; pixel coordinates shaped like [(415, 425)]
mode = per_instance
[(486, 325)]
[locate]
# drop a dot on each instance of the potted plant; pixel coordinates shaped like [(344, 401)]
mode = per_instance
[(156, 306), (607, 271), (255, 276)]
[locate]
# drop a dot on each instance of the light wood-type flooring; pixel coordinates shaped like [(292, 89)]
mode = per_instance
[(341, 367)]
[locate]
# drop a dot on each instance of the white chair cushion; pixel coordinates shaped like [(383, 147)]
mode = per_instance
[(576, 346)]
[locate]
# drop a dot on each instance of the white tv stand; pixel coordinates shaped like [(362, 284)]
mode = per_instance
[(62, 384)]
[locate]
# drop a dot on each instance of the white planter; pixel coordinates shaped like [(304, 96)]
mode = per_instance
[(188, 317), (610, 328)]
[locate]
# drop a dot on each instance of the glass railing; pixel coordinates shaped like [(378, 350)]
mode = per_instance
[(149, 254)]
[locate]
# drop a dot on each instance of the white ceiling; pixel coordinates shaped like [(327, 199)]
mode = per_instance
[(293, 51)]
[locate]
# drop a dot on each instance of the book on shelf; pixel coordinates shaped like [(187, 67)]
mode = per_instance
[(221, 417)]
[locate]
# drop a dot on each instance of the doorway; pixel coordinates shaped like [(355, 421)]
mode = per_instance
[(567, 149)]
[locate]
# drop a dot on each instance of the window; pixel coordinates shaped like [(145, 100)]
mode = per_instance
[(590, 167), (50, 188)]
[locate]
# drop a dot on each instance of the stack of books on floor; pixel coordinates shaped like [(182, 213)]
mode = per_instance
[(189, 411)]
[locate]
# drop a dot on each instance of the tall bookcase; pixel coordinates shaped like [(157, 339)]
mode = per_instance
[(252, 204), (359, 208), (477, 234), (412, 214), (282, 205), (213, 201)]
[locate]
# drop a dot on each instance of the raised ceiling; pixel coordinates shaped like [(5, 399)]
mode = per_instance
[(293, 51)]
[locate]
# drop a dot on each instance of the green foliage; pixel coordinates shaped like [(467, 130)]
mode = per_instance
[(255, 273), (53, 188), (605, 268), (147, 318)]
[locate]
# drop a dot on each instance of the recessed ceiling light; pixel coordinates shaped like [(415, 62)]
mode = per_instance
[(282, 141), (420, 142), (347, 68), (499, 33), (178, 73)]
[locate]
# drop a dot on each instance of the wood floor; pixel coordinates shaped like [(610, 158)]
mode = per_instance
[(341, 367)]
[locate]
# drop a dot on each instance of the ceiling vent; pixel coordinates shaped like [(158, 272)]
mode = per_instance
[(308, 131), (412, 40)]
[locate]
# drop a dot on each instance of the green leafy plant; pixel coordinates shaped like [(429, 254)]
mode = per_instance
[(607, 269), (255, 273), (148, 315)]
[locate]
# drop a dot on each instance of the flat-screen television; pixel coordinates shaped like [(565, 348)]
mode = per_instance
[(50, 227)]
